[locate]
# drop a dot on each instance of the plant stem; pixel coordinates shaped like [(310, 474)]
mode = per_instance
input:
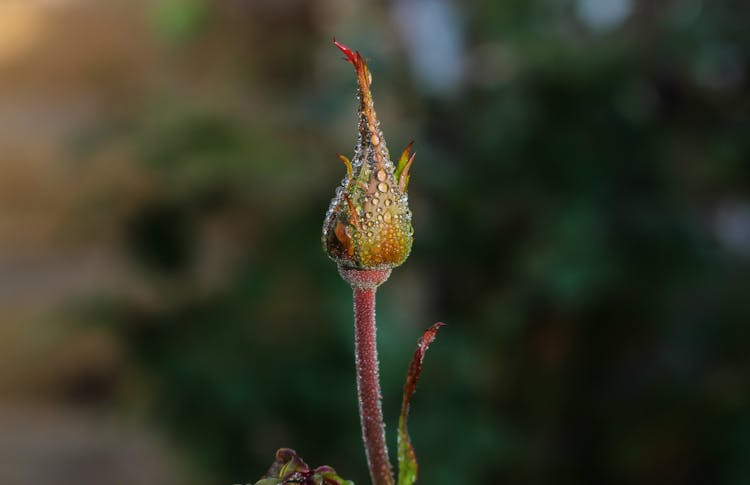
[(364, 284)]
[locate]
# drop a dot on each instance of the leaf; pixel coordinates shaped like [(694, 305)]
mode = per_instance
[(407, 458), (326, 475), (289, 468)]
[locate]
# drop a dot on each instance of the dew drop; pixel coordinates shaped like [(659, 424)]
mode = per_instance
[(375, 140), (388, 202), (383, 187), (368, 215), (387, 217), (380, 217), (369, 233), (381, 175), (375, 201)]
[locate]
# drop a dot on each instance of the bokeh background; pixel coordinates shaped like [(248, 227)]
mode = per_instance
[(581, 200)]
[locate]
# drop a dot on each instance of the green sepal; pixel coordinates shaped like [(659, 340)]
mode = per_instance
[(403, 163)]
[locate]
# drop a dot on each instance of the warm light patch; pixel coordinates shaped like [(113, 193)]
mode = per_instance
[(21, 25)]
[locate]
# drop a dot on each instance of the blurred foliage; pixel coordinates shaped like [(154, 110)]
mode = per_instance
[(180, 20), (564, 207)]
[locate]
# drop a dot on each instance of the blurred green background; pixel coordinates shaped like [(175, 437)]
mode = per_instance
[(581, 200)]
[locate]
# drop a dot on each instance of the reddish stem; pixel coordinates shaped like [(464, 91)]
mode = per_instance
[(364, 283)]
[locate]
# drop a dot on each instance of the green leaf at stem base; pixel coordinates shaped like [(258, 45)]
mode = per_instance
[(289, 468)]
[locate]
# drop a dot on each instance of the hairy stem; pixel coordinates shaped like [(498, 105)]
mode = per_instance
[(364, 284)]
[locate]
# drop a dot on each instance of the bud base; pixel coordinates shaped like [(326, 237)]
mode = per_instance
[(364, 278)]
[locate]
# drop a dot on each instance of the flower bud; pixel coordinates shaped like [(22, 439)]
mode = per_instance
[(368, 224)]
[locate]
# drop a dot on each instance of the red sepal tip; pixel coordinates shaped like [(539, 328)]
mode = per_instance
[(350, 55)]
